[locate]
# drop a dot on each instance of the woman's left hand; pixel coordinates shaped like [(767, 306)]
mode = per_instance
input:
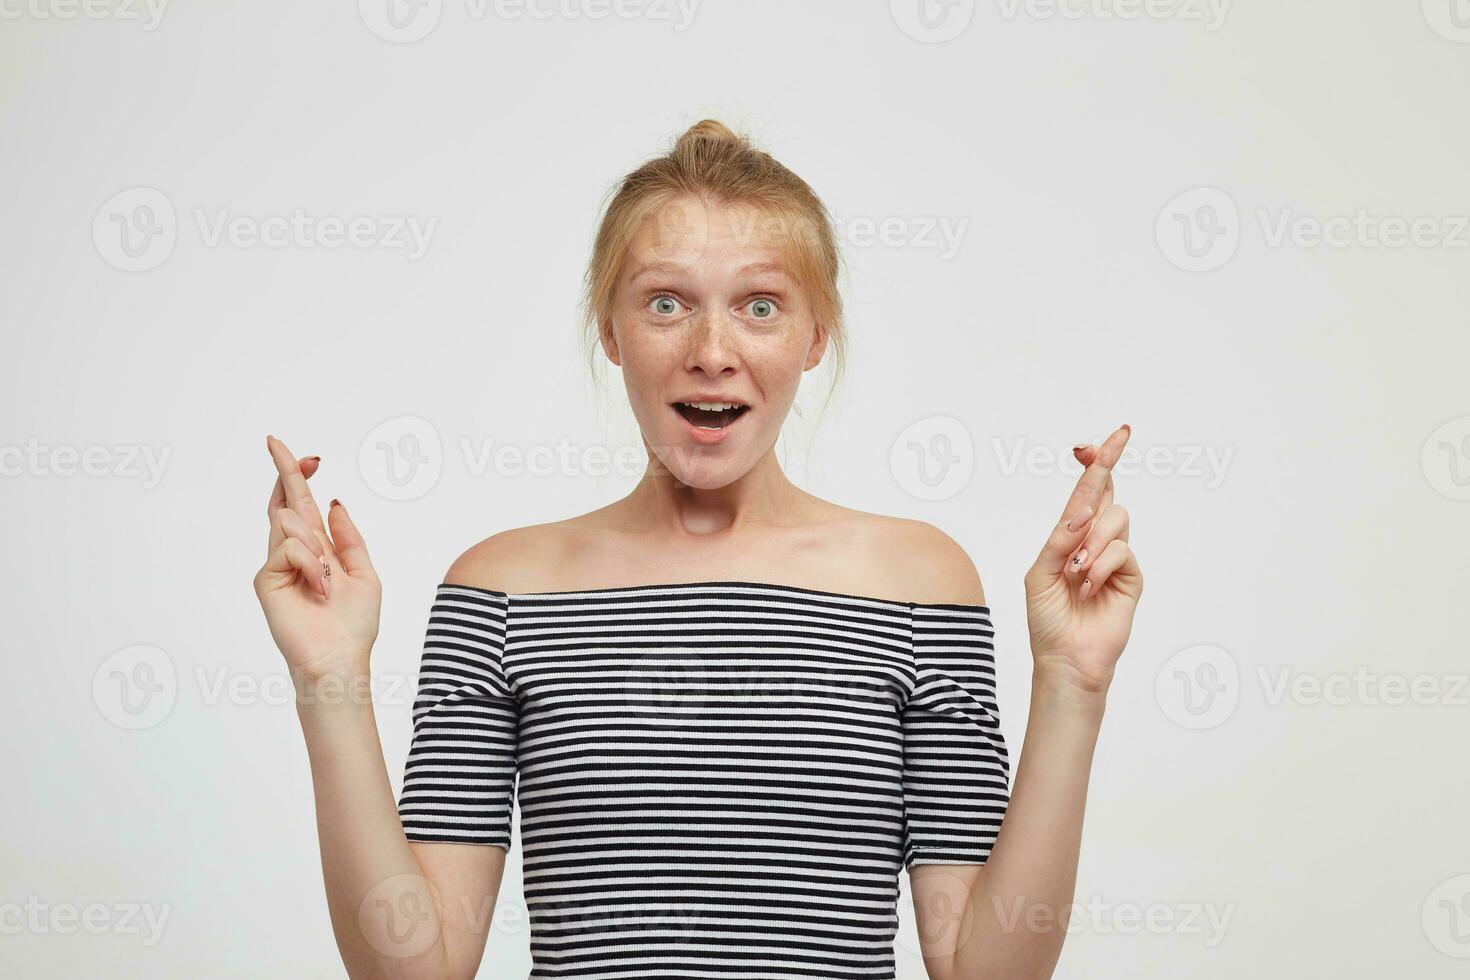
[(1084, 586)]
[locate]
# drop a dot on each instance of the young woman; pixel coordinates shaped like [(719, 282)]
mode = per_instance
[(730, 711)]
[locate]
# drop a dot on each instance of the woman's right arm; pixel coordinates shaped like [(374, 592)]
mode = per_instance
[(399, 910)]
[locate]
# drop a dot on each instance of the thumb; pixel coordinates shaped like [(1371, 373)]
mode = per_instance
[(351, 548), (286, 560)]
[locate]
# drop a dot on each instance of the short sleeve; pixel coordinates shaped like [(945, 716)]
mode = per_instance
[(956, 771), (459, 779)]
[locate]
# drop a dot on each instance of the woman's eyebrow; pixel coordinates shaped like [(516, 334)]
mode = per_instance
[(656, 267), (775, 267), (673, 267)]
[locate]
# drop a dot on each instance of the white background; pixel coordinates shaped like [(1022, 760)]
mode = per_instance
[(1325, 543)]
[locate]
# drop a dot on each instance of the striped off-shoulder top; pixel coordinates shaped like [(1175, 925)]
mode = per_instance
[(714, 779)]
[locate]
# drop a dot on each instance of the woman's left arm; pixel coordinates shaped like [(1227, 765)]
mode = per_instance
[(1011, 914)]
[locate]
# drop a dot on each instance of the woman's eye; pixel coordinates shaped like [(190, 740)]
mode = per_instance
[(666, 305), (762, 308)]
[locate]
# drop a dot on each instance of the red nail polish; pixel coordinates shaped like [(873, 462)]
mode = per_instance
[(316, 458), (335, 503)]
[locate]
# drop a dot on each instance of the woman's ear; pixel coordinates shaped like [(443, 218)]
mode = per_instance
[(609, 340), (818, 347)]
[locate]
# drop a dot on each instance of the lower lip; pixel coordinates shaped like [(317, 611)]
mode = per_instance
[(708, 437)]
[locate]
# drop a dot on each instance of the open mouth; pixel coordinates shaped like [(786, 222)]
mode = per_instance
[(713, 416)]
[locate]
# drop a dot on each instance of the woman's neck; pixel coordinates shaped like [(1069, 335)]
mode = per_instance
[(762, 496)]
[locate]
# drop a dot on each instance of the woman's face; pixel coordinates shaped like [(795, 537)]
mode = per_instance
[(705, 311)]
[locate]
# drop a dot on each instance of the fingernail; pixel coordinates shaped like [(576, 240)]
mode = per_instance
[(1077, 449), (1078, 559), (1086, 588), (336, 503), (1127, 428), (1079, 517), (316, 458)]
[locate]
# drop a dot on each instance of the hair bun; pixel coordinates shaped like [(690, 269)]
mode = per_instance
[(707, 129)]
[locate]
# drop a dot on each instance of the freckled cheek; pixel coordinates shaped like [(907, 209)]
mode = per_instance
[(776, 370), (649, 359), (778, 351), (639, 341)]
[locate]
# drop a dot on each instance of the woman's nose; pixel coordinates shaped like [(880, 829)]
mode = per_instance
[(711, 344)]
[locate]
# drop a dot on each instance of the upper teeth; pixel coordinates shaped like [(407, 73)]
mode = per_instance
[(712, 406)]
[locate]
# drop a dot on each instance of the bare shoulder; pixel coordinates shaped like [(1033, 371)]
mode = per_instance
[(515, 560), (925, 563)]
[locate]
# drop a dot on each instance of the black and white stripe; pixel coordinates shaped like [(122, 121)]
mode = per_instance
[(716, 779)]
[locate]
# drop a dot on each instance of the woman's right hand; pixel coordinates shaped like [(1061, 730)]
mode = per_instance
[(319, 591)]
